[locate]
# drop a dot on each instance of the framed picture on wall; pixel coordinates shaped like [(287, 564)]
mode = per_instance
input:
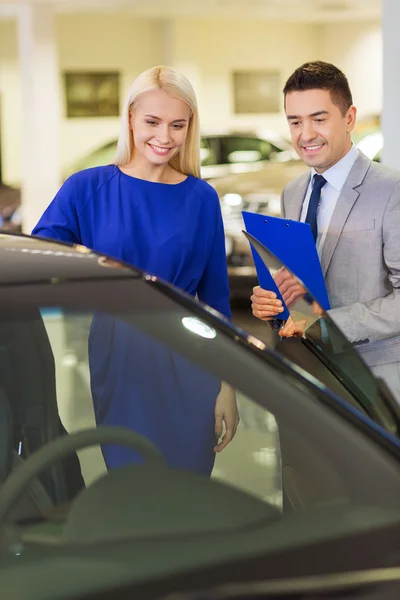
[(256, 91), (92, 94)]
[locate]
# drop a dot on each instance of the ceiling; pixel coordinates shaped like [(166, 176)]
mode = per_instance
[(288, 10)]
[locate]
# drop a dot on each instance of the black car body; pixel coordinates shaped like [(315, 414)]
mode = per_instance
[(309, 486)]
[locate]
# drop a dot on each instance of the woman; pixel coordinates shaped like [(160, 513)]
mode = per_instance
[(151, 209)]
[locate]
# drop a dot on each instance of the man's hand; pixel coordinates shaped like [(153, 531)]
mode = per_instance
[(225, 412), (290, 289), (293, 328), (264, 304), (298, 327)]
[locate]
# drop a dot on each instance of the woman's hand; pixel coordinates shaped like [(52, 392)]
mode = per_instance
[(226, 412)]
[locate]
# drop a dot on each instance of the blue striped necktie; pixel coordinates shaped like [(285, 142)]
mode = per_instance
[(311, 218)]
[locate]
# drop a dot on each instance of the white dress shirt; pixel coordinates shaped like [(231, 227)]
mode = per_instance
[(335, 179)]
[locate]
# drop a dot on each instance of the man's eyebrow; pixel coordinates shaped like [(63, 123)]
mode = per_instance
[(315, 114), (158, 119)]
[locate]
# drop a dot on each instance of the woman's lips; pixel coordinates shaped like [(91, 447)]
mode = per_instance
[(160, 150)]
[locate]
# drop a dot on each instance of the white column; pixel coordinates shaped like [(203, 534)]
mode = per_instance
[(391, 82), (167, 32), (175, 56), (41, 109)]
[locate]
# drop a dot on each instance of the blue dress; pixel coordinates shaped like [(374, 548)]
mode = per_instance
[(174, 232)]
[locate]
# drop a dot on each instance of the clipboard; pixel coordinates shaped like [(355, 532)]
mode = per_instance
[(293, 244), (329, 342), (304, 306)]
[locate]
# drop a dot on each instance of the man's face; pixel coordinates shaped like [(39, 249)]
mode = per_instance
[(320, 132)]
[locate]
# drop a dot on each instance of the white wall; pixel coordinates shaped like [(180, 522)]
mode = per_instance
[(206, 50), (220, 47), (357, 50), (86, 42), (103, 42), (10, 102)]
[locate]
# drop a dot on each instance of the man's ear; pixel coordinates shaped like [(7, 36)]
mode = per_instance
[(351, 118)]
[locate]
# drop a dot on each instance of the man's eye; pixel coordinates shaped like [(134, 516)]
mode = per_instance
[(295, 123), (320, 120)]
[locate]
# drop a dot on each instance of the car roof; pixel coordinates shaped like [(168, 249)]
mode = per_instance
[(31, 259)]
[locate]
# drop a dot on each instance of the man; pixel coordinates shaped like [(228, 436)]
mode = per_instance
[(353, 207)]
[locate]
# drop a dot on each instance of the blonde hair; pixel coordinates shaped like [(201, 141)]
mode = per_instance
[(187, 161)]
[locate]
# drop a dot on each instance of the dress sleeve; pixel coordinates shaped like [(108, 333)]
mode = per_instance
[(60, 220), (214, 286)]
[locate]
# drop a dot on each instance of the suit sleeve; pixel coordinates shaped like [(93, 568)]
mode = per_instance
[(60, 220), (283, 212), (213, 288), (378, 319)]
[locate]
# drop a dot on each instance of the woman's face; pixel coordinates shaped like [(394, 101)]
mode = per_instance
[(159, 125)]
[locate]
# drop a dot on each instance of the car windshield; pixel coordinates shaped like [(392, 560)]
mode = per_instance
[(99, 344)]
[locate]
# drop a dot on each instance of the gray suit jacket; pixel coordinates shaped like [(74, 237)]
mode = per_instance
[(361, 257)]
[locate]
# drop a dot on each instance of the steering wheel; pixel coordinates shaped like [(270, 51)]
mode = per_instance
[(20, 480)]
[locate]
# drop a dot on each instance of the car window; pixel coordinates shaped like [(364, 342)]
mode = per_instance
[(251, 463), (209, 151), (240, 149), (99, 157), (126, 354)]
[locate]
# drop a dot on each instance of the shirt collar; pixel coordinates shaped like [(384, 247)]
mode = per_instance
[(337, 174)]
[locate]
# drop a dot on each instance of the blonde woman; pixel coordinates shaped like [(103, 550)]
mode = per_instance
[(151, 209)]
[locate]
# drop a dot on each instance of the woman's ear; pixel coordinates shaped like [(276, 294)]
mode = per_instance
[(130, 119)]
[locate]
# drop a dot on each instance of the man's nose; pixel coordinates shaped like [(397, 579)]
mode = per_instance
[(308, 132)]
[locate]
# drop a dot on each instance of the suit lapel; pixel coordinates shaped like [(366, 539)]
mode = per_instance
[(294, 206), (345, 203), (342, 210)]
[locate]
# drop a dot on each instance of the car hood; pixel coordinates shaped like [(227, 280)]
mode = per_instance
[(268, 179)]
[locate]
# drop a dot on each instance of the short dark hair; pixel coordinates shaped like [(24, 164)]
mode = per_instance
[(320, 75)]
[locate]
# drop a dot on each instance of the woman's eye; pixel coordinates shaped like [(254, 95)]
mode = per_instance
[(151, 122)]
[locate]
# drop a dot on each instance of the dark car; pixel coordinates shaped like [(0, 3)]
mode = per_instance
[(10, 208), (308, 489)]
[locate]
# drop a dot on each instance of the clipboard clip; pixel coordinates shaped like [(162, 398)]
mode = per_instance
[(277, 324)]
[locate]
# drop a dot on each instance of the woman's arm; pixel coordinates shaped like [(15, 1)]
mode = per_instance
[(60, 220), (214, 286)]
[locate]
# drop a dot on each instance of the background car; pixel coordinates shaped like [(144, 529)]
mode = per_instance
[(372, 146), (10, 208), (260, 192), (368, 136), (220, 154)]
